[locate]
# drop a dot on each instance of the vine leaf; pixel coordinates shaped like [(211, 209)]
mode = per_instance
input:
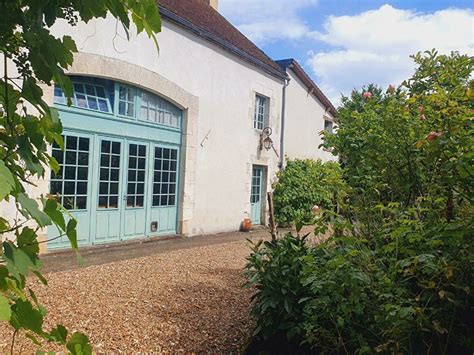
[(7, 183), (5, 311), (30, 208)]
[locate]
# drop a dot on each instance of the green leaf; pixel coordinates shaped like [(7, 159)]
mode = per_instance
[(52, 210), (5, 311), (27, 316), (71, 233), (18, 262), (7, 182), (30, 208), (27, 242), (79, 344), (59, 334)]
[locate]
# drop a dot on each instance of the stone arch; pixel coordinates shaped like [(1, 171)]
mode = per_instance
[(116, 69)]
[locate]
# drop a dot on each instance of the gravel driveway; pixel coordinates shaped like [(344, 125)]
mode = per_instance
[(185, 300)]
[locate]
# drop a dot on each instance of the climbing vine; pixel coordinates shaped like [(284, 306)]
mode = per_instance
[(32, 56)]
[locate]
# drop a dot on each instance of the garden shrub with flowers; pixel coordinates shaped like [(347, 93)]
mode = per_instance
[(400, 276)]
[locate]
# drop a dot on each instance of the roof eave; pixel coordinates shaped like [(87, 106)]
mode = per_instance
[(310, 84), (167, 14)]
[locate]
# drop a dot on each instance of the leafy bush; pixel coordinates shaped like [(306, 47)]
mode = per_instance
[(400, 279), (275, 267), (303, 184), (350, 294)]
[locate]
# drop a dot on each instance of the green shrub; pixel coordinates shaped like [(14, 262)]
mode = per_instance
[(303, 184), (350, 294), (275, 268), (400, 277)]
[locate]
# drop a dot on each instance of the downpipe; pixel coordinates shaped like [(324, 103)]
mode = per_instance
[(282, 125)]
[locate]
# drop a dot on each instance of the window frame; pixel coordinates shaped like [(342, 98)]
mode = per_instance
[(64, 164), (86, 95), (266, 108), (326, 121), (172, 115)]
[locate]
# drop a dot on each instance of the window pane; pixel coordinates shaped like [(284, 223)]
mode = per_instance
[(78, 88), (58, 155), (114, 174), (100, 91), (122, 107), (116, 147), (92, 103), (114, 188), (105, 146), (103, 188), (82, 173), (83, 158), (81, 202), (81, 188), (90, 90), (104, 174), (69, 188), (70, 172), (84, 144), (130, 109), (71, 157), (102, 201), (103, 105), (105, 160), (56, 187), (122, 93), (113, 201), (81, 100), (71, 142), (115, 161)]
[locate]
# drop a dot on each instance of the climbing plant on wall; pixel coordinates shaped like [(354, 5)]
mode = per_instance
[(32, 57)]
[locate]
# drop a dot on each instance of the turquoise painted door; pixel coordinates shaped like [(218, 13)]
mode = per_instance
[(71, 185), (164, 175), (256, 195), (134, 216), (107, 216)]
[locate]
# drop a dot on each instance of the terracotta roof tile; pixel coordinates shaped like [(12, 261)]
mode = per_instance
[(199, 17)]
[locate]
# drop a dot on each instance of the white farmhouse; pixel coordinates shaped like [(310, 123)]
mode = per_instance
[(184, 141)]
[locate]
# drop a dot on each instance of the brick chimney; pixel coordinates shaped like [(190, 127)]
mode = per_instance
[(214, 4)]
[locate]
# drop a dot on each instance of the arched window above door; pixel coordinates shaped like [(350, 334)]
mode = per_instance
[(119, 100)]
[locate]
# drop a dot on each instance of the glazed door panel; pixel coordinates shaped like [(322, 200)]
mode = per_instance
[(136, 191), (108, 203), (71, 186), (256, 195)]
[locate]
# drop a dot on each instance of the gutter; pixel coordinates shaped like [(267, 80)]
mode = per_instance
[(282, 125)]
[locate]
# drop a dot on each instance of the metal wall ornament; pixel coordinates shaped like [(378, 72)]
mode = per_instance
[(265, 140)]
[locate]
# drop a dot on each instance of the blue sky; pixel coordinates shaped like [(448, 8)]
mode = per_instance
[(344, 44)]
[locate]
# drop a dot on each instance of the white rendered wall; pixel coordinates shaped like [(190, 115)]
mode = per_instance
[(304, 120), (225, 87)]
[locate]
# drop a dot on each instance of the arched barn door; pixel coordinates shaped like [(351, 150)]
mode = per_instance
[(119, 171)]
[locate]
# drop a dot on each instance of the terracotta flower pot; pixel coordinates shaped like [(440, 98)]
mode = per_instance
[(246, 225)]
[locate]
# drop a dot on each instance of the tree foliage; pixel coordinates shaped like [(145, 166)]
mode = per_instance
[(399, 279), (33, 56), (303, 184)]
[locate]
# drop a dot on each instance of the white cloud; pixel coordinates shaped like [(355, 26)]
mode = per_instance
[(266, 21), (374, 46)]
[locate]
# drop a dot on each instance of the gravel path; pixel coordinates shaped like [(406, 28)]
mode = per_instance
[(188, 301)]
